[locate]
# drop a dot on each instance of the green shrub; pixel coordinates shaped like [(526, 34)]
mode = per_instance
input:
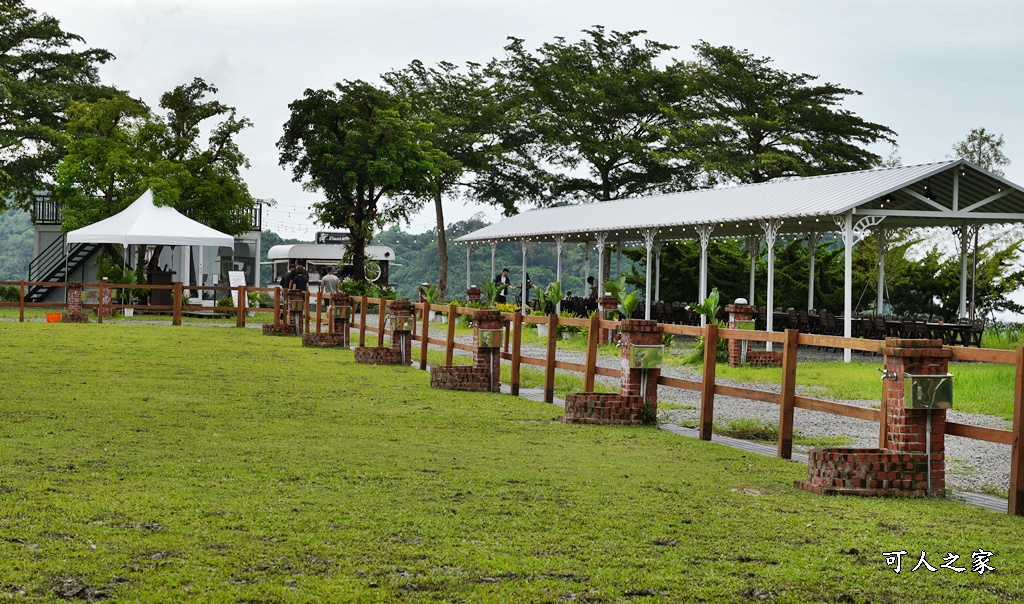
[(9, 293), (226, 301)]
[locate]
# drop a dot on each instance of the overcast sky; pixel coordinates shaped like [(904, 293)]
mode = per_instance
[(931, 70)]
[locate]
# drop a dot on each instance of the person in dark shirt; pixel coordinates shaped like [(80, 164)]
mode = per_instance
[(300, 281), (286, 279)]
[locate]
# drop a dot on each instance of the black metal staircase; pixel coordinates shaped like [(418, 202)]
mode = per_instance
[(49, 266)]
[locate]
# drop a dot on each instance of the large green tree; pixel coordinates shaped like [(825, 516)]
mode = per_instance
[(598, 109), (755, 123), (984, 149), (42, 70), (365, 150)]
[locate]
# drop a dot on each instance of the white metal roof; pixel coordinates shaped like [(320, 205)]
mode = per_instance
[(942, 193), (326, 253)]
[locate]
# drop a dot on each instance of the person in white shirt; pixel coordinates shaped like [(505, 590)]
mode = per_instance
[(329, 284)]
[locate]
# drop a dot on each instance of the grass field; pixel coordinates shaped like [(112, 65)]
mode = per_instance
[(157, 464)]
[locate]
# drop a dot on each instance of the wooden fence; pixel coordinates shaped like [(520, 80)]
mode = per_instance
[(786, 399)]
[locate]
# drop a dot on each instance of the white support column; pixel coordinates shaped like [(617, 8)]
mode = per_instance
[(657, 270), (618, 259), (494, 265), (964, 240), (845, 224), (586, 266), (753, 248), (469, 250), (649, 244), (559, 240), (526, 292), (883, 236), (704, 233), (771, 230), (812, 248), (601, 242)]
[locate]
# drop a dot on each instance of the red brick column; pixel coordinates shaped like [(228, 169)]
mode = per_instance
[(639, 332), (905, 430), (295, 303), (341, 317), (488, 359), (473, 294), (401, 339), (738, 312), (606, 303), (107, 311), (74, 313)]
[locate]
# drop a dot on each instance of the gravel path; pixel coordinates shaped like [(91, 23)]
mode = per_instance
[(971, 464)]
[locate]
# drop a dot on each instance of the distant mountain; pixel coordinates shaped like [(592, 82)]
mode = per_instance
[(17, 243)]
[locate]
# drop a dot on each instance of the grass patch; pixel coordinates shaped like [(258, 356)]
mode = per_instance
[(529, 377), (159, 464), (762, 431)]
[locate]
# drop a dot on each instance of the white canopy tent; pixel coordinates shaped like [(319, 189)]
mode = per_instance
[(143, 222)]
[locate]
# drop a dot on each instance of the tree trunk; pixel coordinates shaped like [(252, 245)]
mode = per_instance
[(358, 257), (442, 248), (154, 262)]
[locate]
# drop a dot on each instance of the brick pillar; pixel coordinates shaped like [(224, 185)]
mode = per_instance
[(474, 294), (639, 332), (341, 317), (107, 311), (488, 359), (400, 312), (737, 312), (74, 298), (905, 429), (295, 303), (603, 304)]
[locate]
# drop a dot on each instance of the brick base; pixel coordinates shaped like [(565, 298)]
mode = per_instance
[(763, 358), (283, 329), (325, 340), (379, 356), (74, 317), (461, 377), (867, 472), (606, 409)]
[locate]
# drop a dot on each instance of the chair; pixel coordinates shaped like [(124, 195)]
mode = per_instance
[(761, 318), (974, 336), (867, 328), (803, 322), (881, 330), (794, 318)]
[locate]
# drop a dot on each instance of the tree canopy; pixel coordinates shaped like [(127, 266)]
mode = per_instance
[(754, 123), (365, 150), (984, 149), (42, 71)]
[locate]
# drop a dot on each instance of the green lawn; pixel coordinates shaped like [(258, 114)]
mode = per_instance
[(159, 464)]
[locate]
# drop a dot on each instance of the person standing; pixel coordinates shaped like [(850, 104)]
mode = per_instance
[(300, 281), (503, 281), (329, 284)]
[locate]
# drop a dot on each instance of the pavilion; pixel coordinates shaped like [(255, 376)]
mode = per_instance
[(954, 193)]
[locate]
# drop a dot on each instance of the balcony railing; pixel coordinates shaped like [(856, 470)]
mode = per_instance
[(47, 211)]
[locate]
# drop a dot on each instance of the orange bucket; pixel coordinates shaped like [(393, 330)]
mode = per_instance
[(53, 317)]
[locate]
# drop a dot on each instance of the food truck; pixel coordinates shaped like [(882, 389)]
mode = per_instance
[(330, 250)]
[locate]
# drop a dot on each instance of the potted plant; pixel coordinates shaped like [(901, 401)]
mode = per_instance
[(125, 295), (545, 299), (627, 302), (432, 295)]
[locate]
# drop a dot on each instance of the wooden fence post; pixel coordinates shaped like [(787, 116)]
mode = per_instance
[(319, 310), (1015, 505), (707, 387), (788, 400), (517, 340), (277, 306), (21, 302), (305, 310), (99, 305), (381, 318), (593, 334), (424, 336), (362, 321), (240, 319), (176, 312), (449, 345), (549, 369)]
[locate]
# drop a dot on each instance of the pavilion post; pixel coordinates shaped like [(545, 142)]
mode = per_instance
[(964, 239), (649, 244), (657, 270), (559, 240), (601, 240), (586, 265), (812, 248), (526, 292), (771, 229), (704, 233), (882, 235), (753, 247), (494, 266), (848, 282), (469, 250), (618, 259)]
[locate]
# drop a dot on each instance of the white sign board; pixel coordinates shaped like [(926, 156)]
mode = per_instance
[(236, 279)]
